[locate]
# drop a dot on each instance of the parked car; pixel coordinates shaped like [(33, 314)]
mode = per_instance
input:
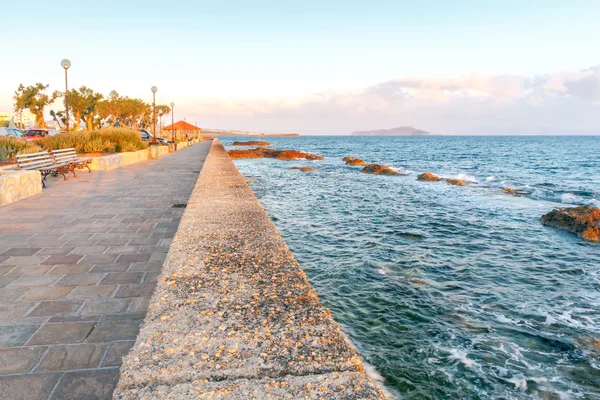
[(11, 132), (147, 137), (37, 133)]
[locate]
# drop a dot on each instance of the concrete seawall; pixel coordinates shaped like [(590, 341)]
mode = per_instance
[(233, 315)]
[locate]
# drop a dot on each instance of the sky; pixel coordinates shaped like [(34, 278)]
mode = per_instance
[(323, 67)]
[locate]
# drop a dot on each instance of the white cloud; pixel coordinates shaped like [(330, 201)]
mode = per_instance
[(564, 102)]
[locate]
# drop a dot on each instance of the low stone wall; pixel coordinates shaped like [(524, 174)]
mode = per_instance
[(233, 315), (106, 163), (17, 185)]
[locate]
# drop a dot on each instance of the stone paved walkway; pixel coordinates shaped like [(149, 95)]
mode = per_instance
[(77, 266)]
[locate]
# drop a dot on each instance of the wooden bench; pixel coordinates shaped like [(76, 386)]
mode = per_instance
[(70, 156), (43, 162)]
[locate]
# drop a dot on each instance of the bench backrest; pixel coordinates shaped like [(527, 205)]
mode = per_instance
[(65, 156), (33, 161)]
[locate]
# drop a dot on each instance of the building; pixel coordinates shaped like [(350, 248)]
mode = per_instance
[(26, 118)]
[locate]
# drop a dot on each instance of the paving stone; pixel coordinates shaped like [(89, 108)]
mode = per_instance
[(21, 251), (27, 386), (63, 259), (30, 270), (25, 260), (48, 251), (14, 310), (88, 250), (47, 293), (92, 292), (122, 277), (91, 384), (6, 280), (75, 318), (70, 269), (40, 280), (99, 259), (6, 269), (52, 308), (81, 242), (151, 277), (115, 267), (134, 258), (106, 306), (70, 357), (11, 294), (108, 331), (123, 249), (143, 267), (116, 352), (113, 242), (16, 335), (144, 241), (135, 290), (19, 359), (80, 279), (140, 304), (162, 235), (62, 333)]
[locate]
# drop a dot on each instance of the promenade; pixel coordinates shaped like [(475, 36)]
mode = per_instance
[(78, 264)]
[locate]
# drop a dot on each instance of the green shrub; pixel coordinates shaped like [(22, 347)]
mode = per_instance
[(11, 146), (101, 141)]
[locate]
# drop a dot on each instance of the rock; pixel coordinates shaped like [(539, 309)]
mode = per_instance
[(457, 182), (304, 169), (261, 152), (355, 162), (515, 191), (378, 169), (428, 177), (251, 143), (583, 221)]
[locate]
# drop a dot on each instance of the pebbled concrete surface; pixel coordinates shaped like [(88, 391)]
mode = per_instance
[(233, 315)]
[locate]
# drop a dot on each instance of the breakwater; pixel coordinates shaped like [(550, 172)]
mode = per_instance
[(233, 315)]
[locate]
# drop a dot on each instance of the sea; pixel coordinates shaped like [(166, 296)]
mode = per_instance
[(448, 292)]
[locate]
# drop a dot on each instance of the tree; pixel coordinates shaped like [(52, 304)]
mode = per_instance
[(82, 104), (35, 100)]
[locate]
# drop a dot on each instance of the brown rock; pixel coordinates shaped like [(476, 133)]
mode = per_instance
[(428, 177), (515, 191), (457, 182), (304, 169), (251, 143), (583, 221), (261, 152), (378, 169), (355, 162)]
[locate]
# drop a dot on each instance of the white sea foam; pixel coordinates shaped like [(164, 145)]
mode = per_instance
[(468, 178), (570, 198), (520, 383), (490, 178), (461, 356)]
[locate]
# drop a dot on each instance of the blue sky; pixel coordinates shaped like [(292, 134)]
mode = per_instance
[(269, 65)]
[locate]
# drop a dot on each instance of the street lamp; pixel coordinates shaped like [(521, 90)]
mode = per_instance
[(66, 64), (172, 123), (154, 89)]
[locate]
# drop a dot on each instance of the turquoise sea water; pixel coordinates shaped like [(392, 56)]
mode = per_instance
[(449, 292)]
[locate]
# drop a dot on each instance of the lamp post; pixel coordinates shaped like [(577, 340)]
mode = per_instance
[(172, 123), (154, 89), (66, 64)]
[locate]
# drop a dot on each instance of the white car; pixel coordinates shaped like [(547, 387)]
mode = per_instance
[(11, 132)]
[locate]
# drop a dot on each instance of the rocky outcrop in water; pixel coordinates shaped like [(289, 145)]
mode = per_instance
[(428, 177), (251, 143), (261, 152), (378, 169), (303, 169), (516, 192), (456, 182), (354, 162), (584, 221)]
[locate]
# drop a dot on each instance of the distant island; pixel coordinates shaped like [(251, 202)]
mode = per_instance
[(400, 131)]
